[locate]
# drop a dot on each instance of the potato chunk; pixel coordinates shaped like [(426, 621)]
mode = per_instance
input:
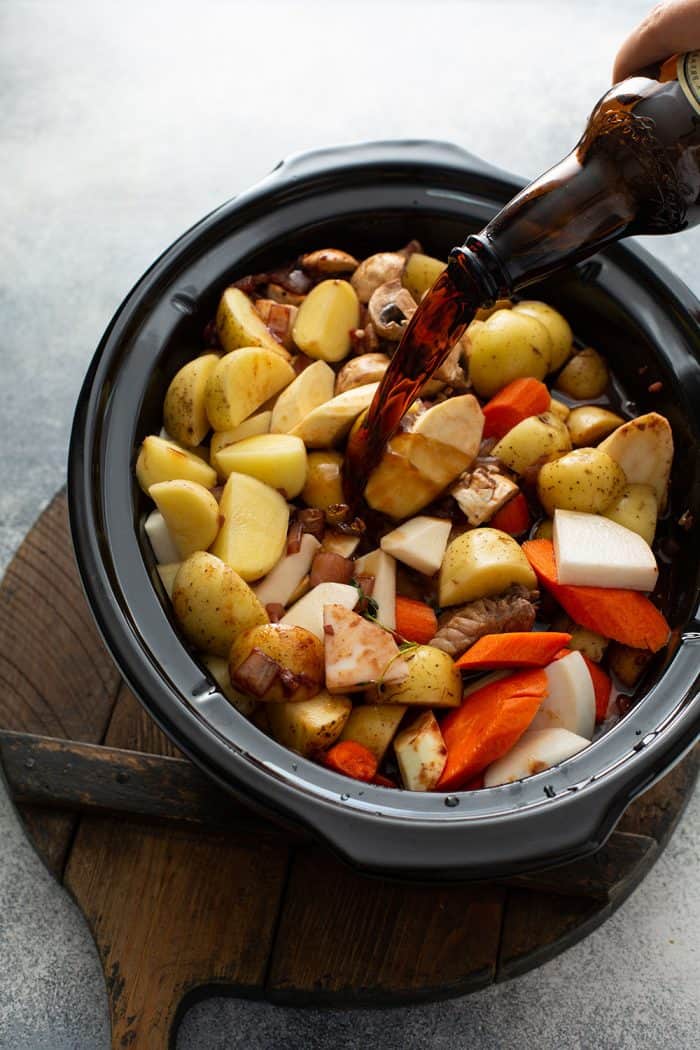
[(190, 512), (162, 460), (241, 382), (507, 346), (184, 410), (254, 531), (329, 313), (311, 388), (535, 439), (590, 423), (310, 726), (239, 324), (586, 479), (277, 663), (277, 459), (213, 604), (373, 726), (481, 563)]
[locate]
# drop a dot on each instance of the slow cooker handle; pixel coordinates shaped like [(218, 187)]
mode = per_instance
[(396, 153)]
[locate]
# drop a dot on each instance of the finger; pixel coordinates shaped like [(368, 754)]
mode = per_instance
[(667, 29)]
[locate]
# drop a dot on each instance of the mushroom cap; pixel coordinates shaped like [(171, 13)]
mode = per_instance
[(390, 309)]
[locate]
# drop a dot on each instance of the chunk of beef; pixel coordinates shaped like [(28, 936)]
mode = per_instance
[(458, 629)]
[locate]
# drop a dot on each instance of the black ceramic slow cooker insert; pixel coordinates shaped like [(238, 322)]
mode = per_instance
[(366, 198)]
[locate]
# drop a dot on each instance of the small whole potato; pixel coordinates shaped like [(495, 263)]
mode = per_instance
[(637, 509), (533, 440), (480, 563), (324, 480), (507, 346), (295, 652), (591, 423), (556, 324), (585, 376), (366, 368), (213, 604), (421, 273), (185, 409), (433, 681), (585, 479)]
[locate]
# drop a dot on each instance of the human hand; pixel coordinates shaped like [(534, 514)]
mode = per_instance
[(668, 29)]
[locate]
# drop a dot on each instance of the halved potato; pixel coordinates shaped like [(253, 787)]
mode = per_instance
[(213, 604), (251, 427), (420, 273), (254, 531), (162, 460), (433, 681), (238, 324), (292, 655), (190, 512), (481, 563), (311, 388), (310, 726), (534, 440), (184, 409), (325, 319), (243, 381), (329, 423), (277, 459)]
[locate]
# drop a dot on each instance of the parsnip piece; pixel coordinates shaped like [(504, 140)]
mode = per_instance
[(420, 543), (283, 579), (421, 753)]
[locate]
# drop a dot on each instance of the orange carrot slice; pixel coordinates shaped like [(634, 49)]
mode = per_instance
[(487, 725), (513, 649), (516, 401), (415, 621), (625, 616), (513, 518), (352, 759)]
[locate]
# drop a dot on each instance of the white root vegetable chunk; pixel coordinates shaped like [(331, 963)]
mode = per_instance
[(308, 611), (340, 543), (191, 514), (535, 751), (570, 700), (421, 753), (167, 574), (383, 567), (311, 388), (357, 652), (420, 543), (643, 447), (594, 551), (162, 543), (283, 579)]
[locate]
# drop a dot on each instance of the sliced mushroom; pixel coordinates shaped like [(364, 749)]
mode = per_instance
[(376, 270), (410, 249), (390, 309), (279, 318), (367, 368), (328, 260)]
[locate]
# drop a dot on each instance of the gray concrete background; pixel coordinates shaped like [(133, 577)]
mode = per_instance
[(122, 124)]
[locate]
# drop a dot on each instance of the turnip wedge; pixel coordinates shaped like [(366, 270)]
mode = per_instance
[(594, 551)]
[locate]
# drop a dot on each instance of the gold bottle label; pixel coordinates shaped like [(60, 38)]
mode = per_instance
[(688, 72)]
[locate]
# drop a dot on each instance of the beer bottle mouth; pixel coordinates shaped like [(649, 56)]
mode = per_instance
[(476, 263)]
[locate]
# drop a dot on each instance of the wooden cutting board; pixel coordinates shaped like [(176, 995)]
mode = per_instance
[(187, 892)]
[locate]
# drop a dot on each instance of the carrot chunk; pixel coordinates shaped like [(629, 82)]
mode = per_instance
[(513, 518), (516, 401), (625, 616), (513, 649), (352, 759), (415, 621), (487, 725)]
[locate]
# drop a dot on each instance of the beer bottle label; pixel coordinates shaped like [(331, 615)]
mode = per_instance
[(688, 73)]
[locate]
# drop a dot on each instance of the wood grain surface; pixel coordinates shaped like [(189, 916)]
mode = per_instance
[(186, 890)]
